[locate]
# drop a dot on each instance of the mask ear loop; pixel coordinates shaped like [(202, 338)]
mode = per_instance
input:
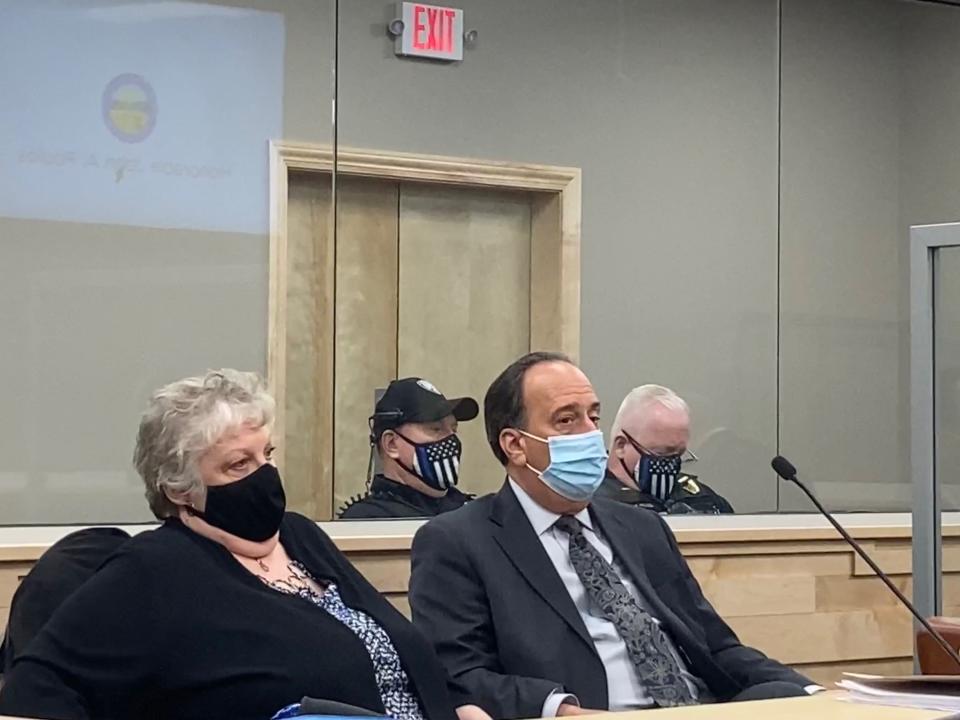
[(373, 444), (374, 441), (410, 470), (534, 437), (370, 468), (635, 473), (531, 468)]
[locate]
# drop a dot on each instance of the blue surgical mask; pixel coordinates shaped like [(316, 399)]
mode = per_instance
[(577, 464)]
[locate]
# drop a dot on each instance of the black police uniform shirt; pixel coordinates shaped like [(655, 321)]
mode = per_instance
[(690, 495), (390, 499)]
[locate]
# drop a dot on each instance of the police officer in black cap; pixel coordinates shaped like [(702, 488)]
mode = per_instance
[(647, 444), (414, 431)]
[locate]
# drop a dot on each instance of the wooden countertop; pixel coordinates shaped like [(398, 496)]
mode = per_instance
[(823, 706), (27, 543)]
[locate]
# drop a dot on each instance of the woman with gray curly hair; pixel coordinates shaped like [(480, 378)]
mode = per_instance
[(233, 607)]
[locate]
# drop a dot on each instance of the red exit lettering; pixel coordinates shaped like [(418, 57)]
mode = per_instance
[(433, 28)]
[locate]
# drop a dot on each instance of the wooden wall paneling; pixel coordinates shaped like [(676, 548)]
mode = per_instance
[(826, 674), (10, 576), (277, 295), (811, 637), (308, 348), (546, 260), (837, 593), (555, 270), (400, 602), (389, 572), (763, 547), (765, 565), (11, 573), (366, 320), (897, 559), (570, 208), (760, 595)]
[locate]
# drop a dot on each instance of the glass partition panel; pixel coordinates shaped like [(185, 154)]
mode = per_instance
[(709, 196), (946, 384), (869, 101), (668, 108), (134, 217)]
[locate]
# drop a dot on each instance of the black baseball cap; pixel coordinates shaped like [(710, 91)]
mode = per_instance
[(415, 400)]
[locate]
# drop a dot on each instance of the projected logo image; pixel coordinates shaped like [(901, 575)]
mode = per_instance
[(119, 132), (129, 108)]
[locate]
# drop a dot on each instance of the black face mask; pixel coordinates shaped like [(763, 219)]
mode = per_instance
[(250, 508)]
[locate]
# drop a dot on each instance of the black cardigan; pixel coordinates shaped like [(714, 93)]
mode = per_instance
[(173, 626)]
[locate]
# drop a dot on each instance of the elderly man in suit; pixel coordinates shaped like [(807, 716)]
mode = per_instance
[(542, 603)]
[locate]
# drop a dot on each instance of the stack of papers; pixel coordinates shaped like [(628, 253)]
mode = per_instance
[(927, 692)]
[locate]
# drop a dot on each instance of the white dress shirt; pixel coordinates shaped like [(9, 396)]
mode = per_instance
[(624, 689)]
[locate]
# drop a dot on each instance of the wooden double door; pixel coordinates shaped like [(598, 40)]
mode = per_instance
[(401, 278)]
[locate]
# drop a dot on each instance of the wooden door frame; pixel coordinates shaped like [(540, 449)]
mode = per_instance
[(555, 258)]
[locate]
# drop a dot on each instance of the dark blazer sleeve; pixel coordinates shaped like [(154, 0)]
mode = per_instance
[(744, 664), (449, 605), (102, 640)]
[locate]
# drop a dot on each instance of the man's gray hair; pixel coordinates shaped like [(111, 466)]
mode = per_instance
[(639, 399), (183, 420)]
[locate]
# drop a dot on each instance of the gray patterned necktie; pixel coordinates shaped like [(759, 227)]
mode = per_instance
[(647, 645)]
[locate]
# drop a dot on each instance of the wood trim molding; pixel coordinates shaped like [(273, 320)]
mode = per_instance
[(782, 534), (563, 182), (693, 542), (277, 292), (425, 168), (22, 553)]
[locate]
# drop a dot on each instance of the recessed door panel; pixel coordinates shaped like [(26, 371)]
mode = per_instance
[(464, 299)]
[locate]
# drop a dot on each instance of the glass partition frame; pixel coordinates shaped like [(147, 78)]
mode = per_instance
[(925, 242)]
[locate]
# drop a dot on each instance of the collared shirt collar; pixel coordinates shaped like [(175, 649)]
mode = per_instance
[(540, 518)]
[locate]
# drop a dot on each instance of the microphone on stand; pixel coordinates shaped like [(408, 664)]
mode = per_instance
[(785, 469)]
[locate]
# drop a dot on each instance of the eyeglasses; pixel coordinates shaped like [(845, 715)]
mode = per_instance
[(688, 455)]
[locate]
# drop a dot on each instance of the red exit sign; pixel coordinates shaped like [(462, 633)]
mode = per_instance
[(431, 31)]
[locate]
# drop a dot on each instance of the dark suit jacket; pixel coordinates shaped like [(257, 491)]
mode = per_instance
[(485, 592)]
